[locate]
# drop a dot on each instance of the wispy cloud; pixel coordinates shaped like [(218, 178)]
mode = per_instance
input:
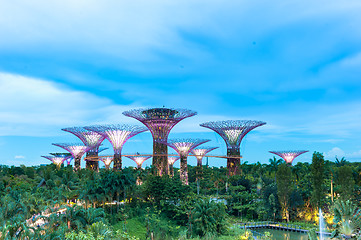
[(36, 107), (339, 153)]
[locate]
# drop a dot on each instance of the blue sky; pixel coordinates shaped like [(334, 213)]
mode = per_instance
[(294, 64)]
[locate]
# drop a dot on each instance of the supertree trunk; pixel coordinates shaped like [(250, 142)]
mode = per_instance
[(117, 162), (233, 164), (184, 170), (92, 165), (77, 164), (171, 171), (199, 162), (160, 162)]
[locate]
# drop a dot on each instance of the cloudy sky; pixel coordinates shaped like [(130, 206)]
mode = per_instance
[(294, 64)]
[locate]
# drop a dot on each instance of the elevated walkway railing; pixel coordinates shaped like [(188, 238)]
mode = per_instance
[(275, 225)]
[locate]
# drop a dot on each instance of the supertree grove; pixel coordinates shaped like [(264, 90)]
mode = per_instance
[(160, 121), (183, 147), (57, 160), (91, 139), (199, 153), (232, 132), (139, 160), (107, 160), (288, 156), (77, 151), (117, 135), (171, 161)]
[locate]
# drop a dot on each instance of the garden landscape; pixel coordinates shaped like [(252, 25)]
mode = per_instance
[(180, 120)]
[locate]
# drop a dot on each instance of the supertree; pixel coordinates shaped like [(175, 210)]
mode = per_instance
[(68, 161), (160, 122), (57, 160), (117, 135), (107, 160), (232, 132), (288, 156), (77, 151), (171, 161), (183, 147), (139, 160), (91, 139), (67, 155), (200, 152)]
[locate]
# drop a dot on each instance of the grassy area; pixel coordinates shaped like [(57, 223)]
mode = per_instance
[(134, 227)]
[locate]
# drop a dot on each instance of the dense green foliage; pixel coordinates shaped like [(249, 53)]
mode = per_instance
[(47, 203), (318, 179)]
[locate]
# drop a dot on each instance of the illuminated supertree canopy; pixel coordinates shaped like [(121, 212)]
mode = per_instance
[(57, 160), (183, 147), (67, 155), (68, 161), (200, 152), (232, 132), (117, 135), (160, 122), (91, 139), (107, 160), (139, 160), (77, 151), (171, 161), (288, 156)]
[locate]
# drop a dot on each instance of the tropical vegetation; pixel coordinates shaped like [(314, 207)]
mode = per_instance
[(43, 202)]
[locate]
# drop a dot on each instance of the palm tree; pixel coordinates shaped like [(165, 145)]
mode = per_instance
[(73, 217), (347, 218), (341, 162), (207, 217), (93, 215), (99, 229)]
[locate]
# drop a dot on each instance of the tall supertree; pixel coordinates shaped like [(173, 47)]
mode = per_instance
[(139, 160), (232, 132), (77, 151), (200, 152), (57, 160), (171, 161), (160, 122), (91, 139), (183, 147), (107, 160), (288, 156), (117, 135)]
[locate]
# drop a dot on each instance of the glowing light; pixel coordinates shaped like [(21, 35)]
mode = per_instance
[(56, 159), (93, 138), (117, 134), (76, 150), (172, 160), (160, 122), (288, 156), (233, 131), (139, 160), (184, 146), (89, 138), (106, 160), (201, 152), (233, 135)]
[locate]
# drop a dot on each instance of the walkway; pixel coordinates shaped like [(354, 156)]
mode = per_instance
[(275, 225)]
